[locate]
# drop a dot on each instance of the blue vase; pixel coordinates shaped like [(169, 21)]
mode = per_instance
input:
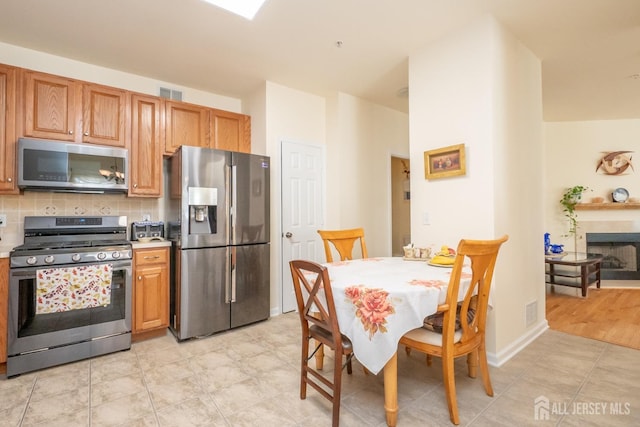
[(547, 243)]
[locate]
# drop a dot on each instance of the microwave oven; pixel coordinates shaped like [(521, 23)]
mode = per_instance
[(66, 167)]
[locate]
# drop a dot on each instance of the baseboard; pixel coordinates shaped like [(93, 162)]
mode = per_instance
[(503, 356)]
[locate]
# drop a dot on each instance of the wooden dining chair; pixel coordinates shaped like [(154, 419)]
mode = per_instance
[(458, 328), (319, 322), (343, 241)]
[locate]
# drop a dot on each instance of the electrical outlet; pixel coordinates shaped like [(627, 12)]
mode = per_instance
[(3, 220)]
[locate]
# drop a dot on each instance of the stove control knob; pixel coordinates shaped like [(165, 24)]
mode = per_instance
[(115, 255), (32, 260), (49, 259), (75, 257), (101, 255)]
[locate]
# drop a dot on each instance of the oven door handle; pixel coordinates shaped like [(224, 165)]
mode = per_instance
[(23, 273), (31, 271)]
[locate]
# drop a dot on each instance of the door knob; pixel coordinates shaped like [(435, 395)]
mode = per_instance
[(288, 234)]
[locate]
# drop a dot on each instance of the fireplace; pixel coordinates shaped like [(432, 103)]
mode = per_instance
[(620, 254)]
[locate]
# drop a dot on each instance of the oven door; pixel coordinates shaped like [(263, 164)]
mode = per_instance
[(30, 328)]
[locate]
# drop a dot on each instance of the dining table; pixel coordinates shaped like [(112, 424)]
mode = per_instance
[(378, 300)]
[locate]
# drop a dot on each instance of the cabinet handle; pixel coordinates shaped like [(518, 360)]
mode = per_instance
[(86, 134), (135, 185), (139, 277), (9, 179), (152, 257), (70, 132)]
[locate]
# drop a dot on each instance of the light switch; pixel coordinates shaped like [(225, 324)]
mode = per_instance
[(425, 218)]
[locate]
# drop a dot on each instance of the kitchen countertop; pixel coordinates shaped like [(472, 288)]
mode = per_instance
[(154, 244)]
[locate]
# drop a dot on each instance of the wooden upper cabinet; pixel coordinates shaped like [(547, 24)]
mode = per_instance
[(51, 106), (145, 158), (104, 115), (185, 124), (230, 131), (8, 176), (64, 109)]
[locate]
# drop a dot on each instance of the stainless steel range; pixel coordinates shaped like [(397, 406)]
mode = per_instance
[(69, 291)]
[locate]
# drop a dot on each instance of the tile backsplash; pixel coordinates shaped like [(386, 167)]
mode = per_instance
[(72, 204)]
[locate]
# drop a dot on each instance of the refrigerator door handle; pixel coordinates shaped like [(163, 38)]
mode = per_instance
[(234, 202), (233, 275)]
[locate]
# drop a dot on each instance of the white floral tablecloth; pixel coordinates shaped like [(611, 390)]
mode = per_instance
[(378, 300)]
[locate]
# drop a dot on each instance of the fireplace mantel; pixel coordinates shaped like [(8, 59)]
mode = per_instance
[(607, 206)]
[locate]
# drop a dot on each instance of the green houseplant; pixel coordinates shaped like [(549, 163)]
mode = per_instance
[(570, 199)]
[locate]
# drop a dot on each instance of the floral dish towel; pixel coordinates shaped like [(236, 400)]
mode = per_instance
[(73, 288)]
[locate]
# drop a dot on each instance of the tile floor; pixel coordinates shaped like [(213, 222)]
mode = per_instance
[(249, 377)]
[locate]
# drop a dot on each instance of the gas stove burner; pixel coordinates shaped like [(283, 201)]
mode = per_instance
[(56, 241)]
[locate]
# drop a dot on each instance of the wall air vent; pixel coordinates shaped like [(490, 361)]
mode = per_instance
[(176, 95)]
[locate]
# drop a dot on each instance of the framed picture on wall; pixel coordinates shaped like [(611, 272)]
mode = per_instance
[(444, 162)]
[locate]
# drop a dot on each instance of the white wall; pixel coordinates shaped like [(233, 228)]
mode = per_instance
[(573, 151), (364, 136), (496, 111)]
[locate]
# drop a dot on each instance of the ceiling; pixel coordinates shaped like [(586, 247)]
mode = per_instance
[(589, 49)]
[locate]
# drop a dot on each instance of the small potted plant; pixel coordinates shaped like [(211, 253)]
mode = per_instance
[(570, 199)]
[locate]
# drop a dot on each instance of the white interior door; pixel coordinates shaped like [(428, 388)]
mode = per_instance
[(302, 210)]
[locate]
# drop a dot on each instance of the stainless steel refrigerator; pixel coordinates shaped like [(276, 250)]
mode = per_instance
[(219, 202)]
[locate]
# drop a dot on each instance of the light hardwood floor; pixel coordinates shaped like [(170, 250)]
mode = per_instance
[(610, 315)]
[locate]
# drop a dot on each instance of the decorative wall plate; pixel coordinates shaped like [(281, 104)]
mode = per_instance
[(620, 195), (615, 163)]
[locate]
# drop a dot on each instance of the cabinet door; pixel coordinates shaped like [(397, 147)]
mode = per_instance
[(231, 131), (185, 124), (105, 115), (51, 106), (151, 289), (145, 161), (7, 129), (151, 300)]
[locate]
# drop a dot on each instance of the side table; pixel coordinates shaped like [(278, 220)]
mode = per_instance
[(574, 269)]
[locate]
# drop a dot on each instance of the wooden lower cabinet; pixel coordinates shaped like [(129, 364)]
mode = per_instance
[(151, 289), (4, 299)]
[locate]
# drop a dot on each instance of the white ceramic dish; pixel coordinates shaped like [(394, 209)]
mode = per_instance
[(620, 195)]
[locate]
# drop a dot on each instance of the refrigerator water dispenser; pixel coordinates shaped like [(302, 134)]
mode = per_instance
[(203, 202)]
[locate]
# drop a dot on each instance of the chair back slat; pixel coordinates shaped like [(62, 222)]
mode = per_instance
[(343, 241)]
